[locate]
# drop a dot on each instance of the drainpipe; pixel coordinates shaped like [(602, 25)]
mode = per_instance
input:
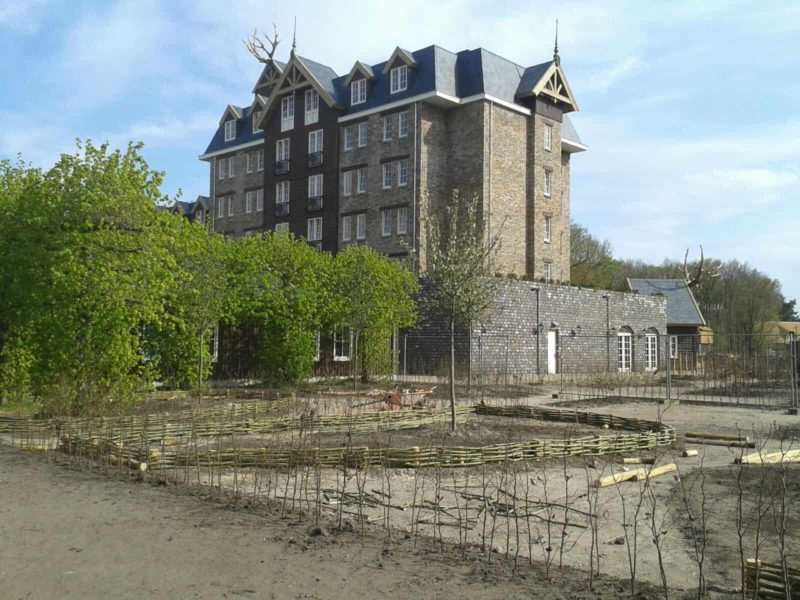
[(213, 195), (608, 331), (538, 331), (491, 156), (414, 243)]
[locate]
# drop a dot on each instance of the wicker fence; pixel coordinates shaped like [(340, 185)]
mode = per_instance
[(766, 580)]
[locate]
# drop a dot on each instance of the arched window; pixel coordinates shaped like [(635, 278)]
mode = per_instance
[(624, 350), (651, 350)]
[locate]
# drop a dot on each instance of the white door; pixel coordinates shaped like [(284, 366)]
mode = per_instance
[(552, 344)]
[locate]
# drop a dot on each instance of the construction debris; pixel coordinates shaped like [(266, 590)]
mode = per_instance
[(759, 458)]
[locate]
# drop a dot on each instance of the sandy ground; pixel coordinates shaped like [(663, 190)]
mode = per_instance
[(69, 533)]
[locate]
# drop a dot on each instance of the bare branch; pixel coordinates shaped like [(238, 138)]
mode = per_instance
[(255, 45)]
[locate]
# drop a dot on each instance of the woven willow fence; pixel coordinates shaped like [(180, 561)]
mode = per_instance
[(767, 580)]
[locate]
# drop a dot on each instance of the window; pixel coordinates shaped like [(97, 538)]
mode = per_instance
[(315, 141), (347, 228), (230, 130), (250, 163), (651, 351), (387, 176), (402, 172), (342, 338), (363, 129), (673, 346), (361, 226), (347, 183), (548, 136), (259, 200), (548, 271), (402, 127), (362, 180), (282, 192), (282, 150), (230, 206), (388, 127), (314, 229), (312, 107), (548, 183), (386, 222), (232, 167), (248, 201), (358, 91), (402, 220), (256, 119), (260, 160), (548, 229), (349, 138), (287, 113), (220, 206), (624, 344), (222, 167), (399, 79), (282, 227), (315, 186)]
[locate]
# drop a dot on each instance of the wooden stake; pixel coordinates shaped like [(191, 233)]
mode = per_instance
[(717, 436), (687, 453)]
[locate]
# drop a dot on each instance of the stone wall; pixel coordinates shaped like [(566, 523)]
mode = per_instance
[(233, 189)]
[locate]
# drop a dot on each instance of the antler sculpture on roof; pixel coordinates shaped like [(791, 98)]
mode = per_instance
[(255, 45)]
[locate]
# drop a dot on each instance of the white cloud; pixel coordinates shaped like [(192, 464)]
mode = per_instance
[(604, 79)]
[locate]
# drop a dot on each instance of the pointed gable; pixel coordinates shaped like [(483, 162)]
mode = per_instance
[(231, 112), (269, 75), (547, 79), (402, 55), (359, 69)]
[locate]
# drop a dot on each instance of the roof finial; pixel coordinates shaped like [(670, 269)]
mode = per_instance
[(294, 36), (556, 57)]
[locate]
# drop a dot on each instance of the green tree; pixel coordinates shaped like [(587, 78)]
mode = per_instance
[(373, 295), (459, 271)]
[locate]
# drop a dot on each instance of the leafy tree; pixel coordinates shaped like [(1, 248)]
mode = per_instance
[(458, 271), (789, 311), (374, 295), (591, 261)]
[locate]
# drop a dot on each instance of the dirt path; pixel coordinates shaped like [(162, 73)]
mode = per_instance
[(68, 533)]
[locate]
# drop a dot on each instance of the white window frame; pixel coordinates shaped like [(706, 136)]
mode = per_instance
[(388, 178), (315, 141), (249, 162), (231, 167), (349, 138), (548, 182), (315, 185), (547, 271), (282, 190), (312, 107), (362, 180), (363, 133), (402, 124), (358, 91), (282, 149), (347, 183), (314, 231), (342, 337), (222, 168), (347, 228), (624, 351), (282, 227), (230, 205), (259, 200), (287, 112), (230, 130), (548, 229), (248, 201), (651, 351), (673, 346), (398, 79), (256, 117), (386, 223), (548, 137), (361, 226), (402, 220), (388, 128), (220, 207), (260, 160), (402, 172)]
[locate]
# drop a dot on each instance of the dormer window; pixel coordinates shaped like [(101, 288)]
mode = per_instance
[(230, 130), (358, 91), (399, 79)]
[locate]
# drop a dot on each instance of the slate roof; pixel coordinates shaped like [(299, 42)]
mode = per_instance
[(460, 75), (682, 308), (244, 133)]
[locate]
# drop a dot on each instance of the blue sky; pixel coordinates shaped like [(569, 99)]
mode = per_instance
[(690, 109)]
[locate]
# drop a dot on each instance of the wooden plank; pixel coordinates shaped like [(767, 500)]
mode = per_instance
[(716, 436)]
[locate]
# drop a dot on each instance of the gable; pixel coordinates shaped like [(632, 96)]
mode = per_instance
[(399, 55), (359, 71), (231, 112), (548, 80), (269, 76)]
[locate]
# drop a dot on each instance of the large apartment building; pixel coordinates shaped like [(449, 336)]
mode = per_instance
[(360, 157)]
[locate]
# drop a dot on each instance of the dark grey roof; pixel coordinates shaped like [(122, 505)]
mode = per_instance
[(681, 306), (501, 77), (324, 74), (531, 77), (445, 67), (568, 131)]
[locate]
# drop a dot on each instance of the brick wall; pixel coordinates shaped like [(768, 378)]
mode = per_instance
[(233, 189)]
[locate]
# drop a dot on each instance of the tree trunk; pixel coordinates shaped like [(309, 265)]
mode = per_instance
[(452, 374), (200, 370)]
